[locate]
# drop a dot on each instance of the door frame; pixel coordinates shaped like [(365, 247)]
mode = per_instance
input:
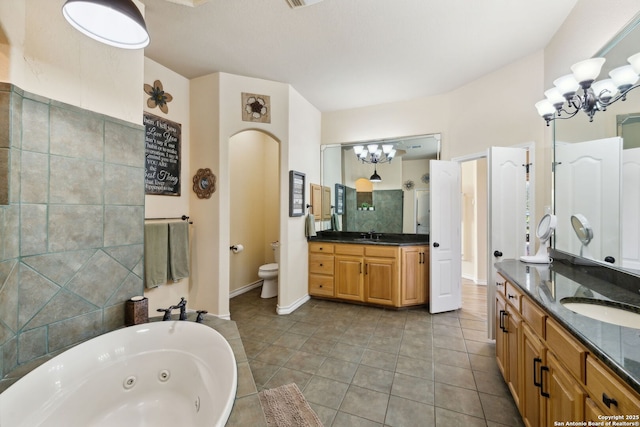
[(491, 285)]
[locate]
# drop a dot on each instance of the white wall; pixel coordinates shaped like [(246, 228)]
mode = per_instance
[(41, 53), (216, 116), (171, 206)]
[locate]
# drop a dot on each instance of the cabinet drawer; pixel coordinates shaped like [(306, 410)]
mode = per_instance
[(321, 264), (514, 296), (381, 251), (566, 348), (534, 316), (321, 285), (602, 386), (320, 247), (349, 250), (501, 284)]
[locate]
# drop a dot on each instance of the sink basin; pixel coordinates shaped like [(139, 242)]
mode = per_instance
[(605, 311)]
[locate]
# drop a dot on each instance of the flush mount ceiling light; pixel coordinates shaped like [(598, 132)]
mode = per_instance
[(565, 98), (117, 23), (301, 3)]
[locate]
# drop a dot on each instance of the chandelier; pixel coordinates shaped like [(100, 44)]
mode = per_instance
[(563, 101), (374, 154)]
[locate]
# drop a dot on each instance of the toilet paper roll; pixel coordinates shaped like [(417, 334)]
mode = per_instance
[(237, 248)]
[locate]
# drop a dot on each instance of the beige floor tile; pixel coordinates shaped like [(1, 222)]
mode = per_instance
[(365, 403), (404, 412)]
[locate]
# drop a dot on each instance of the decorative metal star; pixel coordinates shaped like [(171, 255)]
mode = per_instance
[(158, 97)]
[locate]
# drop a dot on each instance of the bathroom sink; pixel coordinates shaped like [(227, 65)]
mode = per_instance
[(605, 311)]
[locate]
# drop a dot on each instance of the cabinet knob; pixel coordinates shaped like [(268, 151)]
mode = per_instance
[(511, 296), (320, 286), (321, 265)]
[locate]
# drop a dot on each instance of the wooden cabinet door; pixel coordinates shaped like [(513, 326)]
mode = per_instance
[(532, 405), (381, 280), (316, 201), (514, 332), (348, 278), (501, 335), (566, 396), (415, 275)]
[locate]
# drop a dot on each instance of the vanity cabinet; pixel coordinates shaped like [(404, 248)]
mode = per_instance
[(610, 395), (508, 340), (385, 275), (415, 275), (321, 269), (540, 362)]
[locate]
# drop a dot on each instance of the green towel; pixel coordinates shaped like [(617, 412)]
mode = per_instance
[(310, 226), (156, 244), (335, 224), (178, 250)]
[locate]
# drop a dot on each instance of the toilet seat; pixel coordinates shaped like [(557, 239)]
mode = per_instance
[(269, 267)]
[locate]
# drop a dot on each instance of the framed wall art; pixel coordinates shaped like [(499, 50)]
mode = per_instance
[(340, 199), (296, 193)]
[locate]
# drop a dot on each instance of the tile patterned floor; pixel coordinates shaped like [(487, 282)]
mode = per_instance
[(364, 366)]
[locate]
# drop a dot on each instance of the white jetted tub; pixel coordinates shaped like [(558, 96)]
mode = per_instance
[(173, 373)]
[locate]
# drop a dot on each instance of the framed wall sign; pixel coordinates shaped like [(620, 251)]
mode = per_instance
[(296, 193), (162, 155), (340, 199)]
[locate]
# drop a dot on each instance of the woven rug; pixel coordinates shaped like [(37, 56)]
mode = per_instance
[(285, 406)]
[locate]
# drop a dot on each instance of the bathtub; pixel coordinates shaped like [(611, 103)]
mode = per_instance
[(173, 373)]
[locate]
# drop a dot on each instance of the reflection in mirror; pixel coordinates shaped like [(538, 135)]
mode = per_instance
[(545, 229), (395, 204), (584, 232), (597, 169)]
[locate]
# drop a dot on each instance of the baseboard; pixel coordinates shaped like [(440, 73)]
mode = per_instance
[(245, 289), (474, 280), (292, 307)]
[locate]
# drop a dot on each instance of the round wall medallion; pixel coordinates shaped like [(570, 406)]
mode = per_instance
[(408, 184), (204, 183), (425, 178)]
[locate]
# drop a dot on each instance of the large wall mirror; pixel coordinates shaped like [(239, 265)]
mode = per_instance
[(597, 170), (387, 196)]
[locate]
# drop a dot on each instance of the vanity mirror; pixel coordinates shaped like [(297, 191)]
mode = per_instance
[(387, 205), (597, 170)]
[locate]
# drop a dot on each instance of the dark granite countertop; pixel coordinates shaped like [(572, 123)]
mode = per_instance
[(388, 239), (617, 346)]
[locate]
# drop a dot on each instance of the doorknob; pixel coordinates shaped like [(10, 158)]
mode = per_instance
[(497, 254), (436, 244), (610, 259)]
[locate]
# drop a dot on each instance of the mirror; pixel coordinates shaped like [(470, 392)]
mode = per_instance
[(545, 229), (584, 232), (597, 170), (399, 202)]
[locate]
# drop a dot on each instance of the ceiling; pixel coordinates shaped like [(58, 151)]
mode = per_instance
[(341, 54)]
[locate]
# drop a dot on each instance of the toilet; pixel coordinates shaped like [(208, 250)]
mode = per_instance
[(269, 274)]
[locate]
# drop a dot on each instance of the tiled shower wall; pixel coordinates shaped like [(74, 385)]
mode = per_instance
[(386, 218), (71, 224)]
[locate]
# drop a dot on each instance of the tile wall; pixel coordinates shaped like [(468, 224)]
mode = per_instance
[(71, 224), (385, 218)]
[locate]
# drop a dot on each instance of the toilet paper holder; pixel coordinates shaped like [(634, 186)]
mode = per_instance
[(236, 248)]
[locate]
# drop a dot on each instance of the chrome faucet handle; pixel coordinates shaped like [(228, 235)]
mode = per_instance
[(201, 314), (167, 312)]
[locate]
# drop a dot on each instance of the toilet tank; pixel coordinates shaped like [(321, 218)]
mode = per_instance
[(276, 251)]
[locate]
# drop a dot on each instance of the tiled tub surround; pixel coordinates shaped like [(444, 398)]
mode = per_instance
[(617, 346), (71, 227)]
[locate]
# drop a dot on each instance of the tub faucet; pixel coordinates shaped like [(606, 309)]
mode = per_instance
[(182, 305)]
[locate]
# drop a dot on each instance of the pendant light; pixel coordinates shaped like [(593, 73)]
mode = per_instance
[(375, 177), (117, 23)]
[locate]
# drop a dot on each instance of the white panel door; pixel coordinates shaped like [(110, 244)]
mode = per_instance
[(507, 214), (445, 293), (590, 174), (630, 208), (422, 211)]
